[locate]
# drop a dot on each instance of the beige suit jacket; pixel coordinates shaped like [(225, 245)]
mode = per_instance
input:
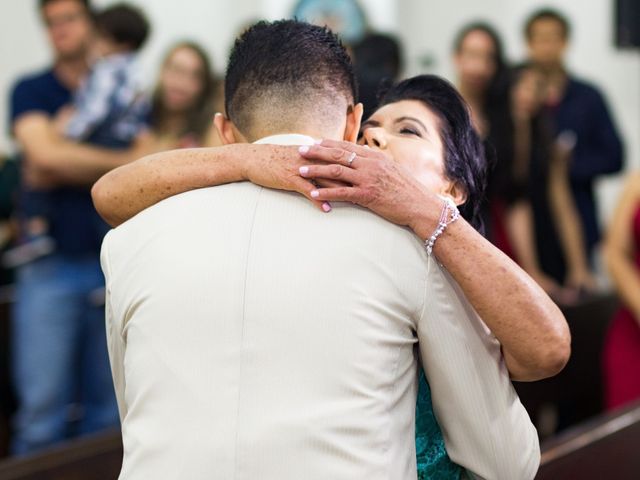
[(253, 337)]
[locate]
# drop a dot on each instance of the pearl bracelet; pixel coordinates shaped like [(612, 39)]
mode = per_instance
[(449, 214)]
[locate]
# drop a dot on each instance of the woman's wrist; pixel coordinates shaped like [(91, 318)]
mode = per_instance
[(426, 216), (240, 162)]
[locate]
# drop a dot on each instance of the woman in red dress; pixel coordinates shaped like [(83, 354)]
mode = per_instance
[(621, 361)]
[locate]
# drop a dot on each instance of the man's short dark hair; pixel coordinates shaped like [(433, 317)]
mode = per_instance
[(547, 14), (123, 24), (86, 3), (280, 65)]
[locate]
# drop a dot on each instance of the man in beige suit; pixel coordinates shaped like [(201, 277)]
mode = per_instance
[(253, 337)]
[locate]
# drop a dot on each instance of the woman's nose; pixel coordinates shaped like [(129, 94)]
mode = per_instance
[(374, 137)]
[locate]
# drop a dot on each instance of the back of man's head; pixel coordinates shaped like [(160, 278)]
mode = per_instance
[(287, 75)]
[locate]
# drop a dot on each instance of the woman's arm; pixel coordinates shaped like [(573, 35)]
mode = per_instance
[(126, 191), (533, 332), (619, 249), (567, 222)]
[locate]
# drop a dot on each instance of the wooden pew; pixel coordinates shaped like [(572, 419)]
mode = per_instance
[(95, 457), (607, 447)]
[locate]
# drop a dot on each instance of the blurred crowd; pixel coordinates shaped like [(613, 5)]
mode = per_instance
[(549, 135)]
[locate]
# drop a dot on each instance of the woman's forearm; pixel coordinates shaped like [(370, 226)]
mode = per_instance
[(532, 330), (126, 191)]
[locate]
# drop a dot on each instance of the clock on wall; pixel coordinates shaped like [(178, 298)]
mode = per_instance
[(344, 17)]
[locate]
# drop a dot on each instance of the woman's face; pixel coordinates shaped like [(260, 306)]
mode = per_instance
[(410, 133), (182, 80), (476, 61)]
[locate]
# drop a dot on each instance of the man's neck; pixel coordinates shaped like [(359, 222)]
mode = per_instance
[(315, 133), (71, 71)]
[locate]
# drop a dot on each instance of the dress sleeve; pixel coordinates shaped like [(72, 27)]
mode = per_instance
[(485, 427)]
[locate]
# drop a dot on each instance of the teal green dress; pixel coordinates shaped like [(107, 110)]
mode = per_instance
[(433, 461)]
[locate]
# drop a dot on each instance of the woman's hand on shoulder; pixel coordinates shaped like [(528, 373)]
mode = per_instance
[(371, 179), (278, 167)]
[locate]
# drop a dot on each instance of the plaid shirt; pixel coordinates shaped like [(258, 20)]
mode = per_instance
[(110, 107)]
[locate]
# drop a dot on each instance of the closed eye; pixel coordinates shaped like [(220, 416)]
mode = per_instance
[(409, 131)]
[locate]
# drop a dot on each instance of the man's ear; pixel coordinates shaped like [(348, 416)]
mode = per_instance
[(227, 131), (354, 119), (455, 192)]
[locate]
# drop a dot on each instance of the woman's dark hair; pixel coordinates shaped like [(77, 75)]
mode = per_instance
[(464, 158), (199, 115), (499, 83)]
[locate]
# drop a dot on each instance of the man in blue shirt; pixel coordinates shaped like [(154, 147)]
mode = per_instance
[(59, 347), (580, 116)]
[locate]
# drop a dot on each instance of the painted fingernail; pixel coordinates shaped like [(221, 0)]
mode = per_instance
[(326, 207), (317, 142), (315, 193), (303, 149), (304, 170)]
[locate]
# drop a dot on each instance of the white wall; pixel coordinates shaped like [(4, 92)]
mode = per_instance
[(428, 30)]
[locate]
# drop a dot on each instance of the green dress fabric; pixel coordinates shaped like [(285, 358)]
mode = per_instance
[(433, 461)]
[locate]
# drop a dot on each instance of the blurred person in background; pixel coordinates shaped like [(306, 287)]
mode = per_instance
[(377, 58), (185, 98), (621, 361), (109, 110), (59, 354), (482, 79), (481, 73), (577, 109), (532, 184)]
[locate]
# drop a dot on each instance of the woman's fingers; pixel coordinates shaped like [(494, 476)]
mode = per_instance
[(360, 150), (325, 183), (305, 187), (338, 194), (330, 172), (340, 156)]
